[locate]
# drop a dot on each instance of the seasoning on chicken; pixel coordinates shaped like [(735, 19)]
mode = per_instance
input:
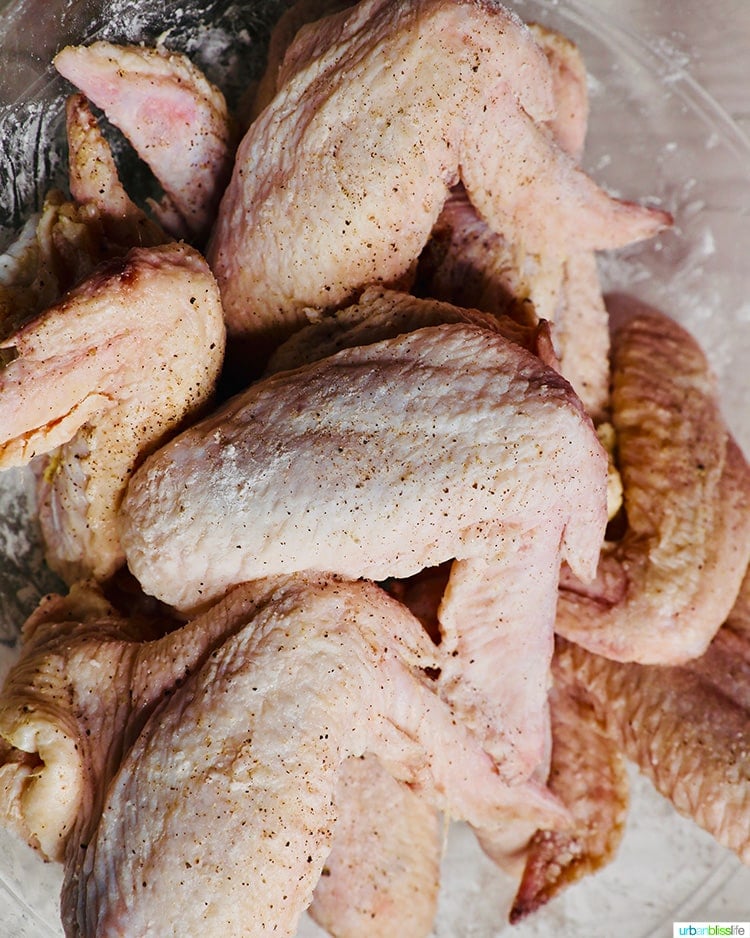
[(468, 263), (382, 876), (328, 467), (338, 183), (664, 589), (581, 330), (65, 709), (95, 184), (588, 775), (175, 118), (191, 781), (87, 678), (240, 721), (97, 381), (686, 726)]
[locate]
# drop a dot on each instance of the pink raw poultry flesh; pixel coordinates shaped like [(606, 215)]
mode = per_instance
[(434, 439), (381, 146), (249, 711), (177, 121), (98, 380), (115, 341)]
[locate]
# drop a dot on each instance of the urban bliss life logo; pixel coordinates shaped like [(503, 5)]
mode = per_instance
[(708, 928)]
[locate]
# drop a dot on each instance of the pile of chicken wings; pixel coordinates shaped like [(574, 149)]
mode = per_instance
[(367, 511)]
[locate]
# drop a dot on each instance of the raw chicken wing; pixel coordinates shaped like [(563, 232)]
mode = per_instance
[(377, 461), (97, 381), (588, 775), (686, 727), (339, 181), (176, 120), (221, 816), (664, 589), (88, 679), (469, 263)]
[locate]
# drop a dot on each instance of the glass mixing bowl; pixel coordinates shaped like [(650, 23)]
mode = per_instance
[(654, 134)]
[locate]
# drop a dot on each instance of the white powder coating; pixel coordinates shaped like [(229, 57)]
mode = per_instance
[(378, 461)]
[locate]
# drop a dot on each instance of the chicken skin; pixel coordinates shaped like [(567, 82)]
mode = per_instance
[(177, 121), (89, 679), (381, 313), (665, 587), (469, 263), (290, 22), (97, 381), (239, 722), (360, 883), (581, 333), (338, 182), (685, 726), (324, 467), (382, 876), (569, 122), (283, 734)]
